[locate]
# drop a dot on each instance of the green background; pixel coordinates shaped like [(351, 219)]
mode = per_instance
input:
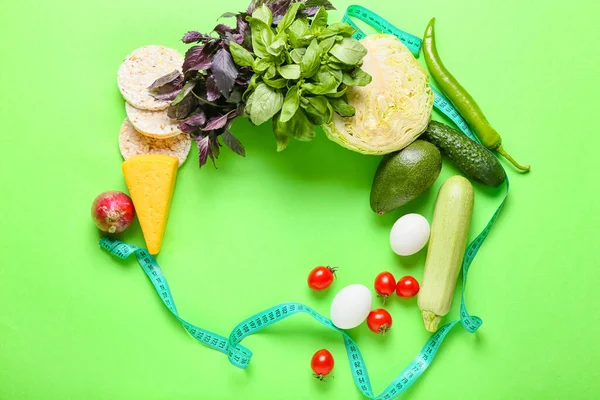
[(77, 324)]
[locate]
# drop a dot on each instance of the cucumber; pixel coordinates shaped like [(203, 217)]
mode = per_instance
[(470, 157), (447, 245)]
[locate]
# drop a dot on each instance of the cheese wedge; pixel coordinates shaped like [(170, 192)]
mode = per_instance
[(151, 180)]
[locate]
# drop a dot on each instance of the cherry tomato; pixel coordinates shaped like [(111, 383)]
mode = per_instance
[(407, 287), (379, 321), (385, 284), (321, 364), (321, 278)]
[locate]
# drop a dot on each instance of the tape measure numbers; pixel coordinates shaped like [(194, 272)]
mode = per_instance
[(240, 356)]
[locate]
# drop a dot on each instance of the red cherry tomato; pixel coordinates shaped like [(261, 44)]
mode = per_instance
[(379, 321), (321, 364), (321, 278), (407, 287), (385, 284)]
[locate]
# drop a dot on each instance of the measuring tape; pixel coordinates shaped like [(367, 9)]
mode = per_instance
[(240, 356)]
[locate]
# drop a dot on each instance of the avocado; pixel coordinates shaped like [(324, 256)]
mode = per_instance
[(470, 157), (405, 175)]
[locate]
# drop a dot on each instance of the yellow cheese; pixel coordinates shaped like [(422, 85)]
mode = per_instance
[(151, 180)]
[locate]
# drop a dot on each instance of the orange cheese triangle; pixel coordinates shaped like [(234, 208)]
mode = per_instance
[(151, 180)]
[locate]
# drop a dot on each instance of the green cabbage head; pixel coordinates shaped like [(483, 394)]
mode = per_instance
[(394, 109)]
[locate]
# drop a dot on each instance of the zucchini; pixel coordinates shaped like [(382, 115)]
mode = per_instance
[(447, 245), (469, 156)]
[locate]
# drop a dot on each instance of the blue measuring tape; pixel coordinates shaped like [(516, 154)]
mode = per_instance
[(240, 356)]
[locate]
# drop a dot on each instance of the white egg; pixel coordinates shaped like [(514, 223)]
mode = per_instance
[(409, 234), (351, 306)]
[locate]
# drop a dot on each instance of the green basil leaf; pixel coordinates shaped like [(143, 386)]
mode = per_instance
[(318, 110), (349, 51), (289, 17), (319, 21), (290, 104), (278, 83), (264, 14), (311, 61), (341, 107), (299, 126), (339, 93), (357, 77), (298, 54), (266, 102), (271, 72), (324, 82), (259, 45), (297, 31), (290, 72), (338, 28), (326, 44), (251, 86), (260, 65), (276, 47), (241, 56)]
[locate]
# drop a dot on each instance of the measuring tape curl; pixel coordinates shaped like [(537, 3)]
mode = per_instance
[(240, 356)]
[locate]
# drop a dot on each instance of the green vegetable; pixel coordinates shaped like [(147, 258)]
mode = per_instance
[(470, 157), (393, 110), (404, 176), (461, 99), (447, 244), (302, 69)]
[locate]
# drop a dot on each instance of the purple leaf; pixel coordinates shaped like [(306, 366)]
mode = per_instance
[(224, 71), (216, 123), (197, 119), (203, 143), (185, 128), (212, 91), (243, 28), (198, 58), (182, 109), (278, 9), (222, 29), (313, 6), (229, 15), (174, 77), (194, 36), (234, 144)]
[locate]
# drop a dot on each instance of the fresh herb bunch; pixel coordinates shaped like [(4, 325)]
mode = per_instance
[(302, 69), (281, 60)]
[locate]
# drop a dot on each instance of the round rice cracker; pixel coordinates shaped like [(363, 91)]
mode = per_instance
[(156, 124), (140, 69), (132, 143)]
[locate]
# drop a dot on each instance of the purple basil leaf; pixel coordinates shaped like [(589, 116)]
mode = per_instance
[(313, 6), (222, 29), (165, 95), (236, 96), (192, 57), (198, 119), (229, 15), (184, 92), (203, 143), (243, 28), (216, 123), (185, 128), (195, 36), (215, 149), (224, 71), (174, 77), (233, 143), (182, 109), (212, 91), (278, 9)]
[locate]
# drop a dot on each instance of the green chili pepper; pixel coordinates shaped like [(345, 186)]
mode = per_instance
[(461, 99)]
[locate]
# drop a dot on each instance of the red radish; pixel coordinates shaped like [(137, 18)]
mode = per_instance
[(379, 321), (113, 211)]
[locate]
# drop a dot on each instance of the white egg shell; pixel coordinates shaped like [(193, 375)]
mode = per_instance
[(409, 234), (351, 306)]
